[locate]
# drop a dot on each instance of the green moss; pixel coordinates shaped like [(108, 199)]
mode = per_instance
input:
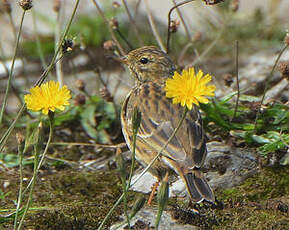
[(270, 183)]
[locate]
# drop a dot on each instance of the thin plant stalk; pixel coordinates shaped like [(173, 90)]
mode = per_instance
[(57, 36), (183, 21), (40, 80), (109, 27), (267, 85), (38, 43), (132, 22), (144, 171), (237, 79), (11, 68), (169, 22), (207, 50), (20, 152), (37, 166), (153, 26)]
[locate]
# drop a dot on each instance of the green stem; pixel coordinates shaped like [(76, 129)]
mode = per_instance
[(20, 152), (35, 173), (11, 69), (144, 171)]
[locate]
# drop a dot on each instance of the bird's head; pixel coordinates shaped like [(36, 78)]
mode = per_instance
[(149, 64)]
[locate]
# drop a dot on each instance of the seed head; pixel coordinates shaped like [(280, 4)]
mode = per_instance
[(235, 5), (109, 45), (6, 6), (283, 67), (115, 4), (80, 99), (174, 26), (26, 4), (105, 94), (80, 85), (114, 24), (228, 79), (56, 5)]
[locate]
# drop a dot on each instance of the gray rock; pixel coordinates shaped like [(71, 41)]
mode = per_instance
[(226, 167)]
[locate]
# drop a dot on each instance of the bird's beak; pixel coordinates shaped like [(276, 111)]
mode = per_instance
[(123, 60)]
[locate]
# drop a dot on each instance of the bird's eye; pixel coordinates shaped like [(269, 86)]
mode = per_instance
[(144, 60)]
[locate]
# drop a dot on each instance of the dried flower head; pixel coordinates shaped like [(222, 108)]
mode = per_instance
[(67, 45), (115, 4), (109, 45), (26, 4), (235, 5), (80, 99), (212, 2), (105, 94), (6, 6), (228, 79), (189, 88), (47, 97), (80, 85), (114, 24), (56, 5), (174, 26), (20, 138), (283, 67)]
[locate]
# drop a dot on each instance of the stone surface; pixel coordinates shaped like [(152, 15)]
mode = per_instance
[(226, 167)]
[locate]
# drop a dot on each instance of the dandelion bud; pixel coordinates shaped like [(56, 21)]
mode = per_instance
[(174, 26), (26, 4), (80, 99), (115, 4), (136, 119), (163, 196), (114, 24), (120, 164), (105, 94), (109, 45), (283, 67), (6, 7), (80, 85), (228, 79), (20, 142), (56, 5)]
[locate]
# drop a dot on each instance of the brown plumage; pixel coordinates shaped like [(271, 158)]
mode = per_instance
[(186, 152)]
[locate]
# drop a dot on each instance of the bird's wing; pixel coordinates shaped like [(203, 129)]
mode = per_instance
[(159, 120)]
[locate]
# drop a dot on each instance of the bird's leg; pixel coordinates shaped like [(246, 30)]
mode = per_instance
[(154, 189)]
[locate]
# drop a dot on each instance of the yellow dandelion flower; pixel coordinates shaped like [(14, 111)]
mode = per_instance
[(189, 88), (49, 96)]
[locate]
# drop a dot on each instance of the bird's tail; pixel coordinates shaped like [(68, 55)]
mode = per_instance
[(198, 187)]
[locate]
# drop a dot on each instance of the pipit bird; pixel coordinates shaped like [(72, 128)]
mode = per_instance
[(186, 152)]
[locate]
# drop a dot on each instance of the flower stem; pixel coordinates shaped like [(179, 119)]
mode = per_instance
[(37, 166), (20, 152), (11, 68)]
